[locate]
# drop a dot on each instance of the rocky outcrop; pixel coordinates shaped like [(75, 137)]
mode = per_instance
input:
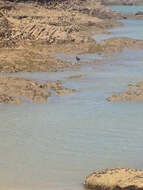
[(139, 13), (116, 179), (115, 45), (6, 31), (33, 58), (56, 23), (5, 28), (30, 31), (132, 93), (16, 90), (76, 77), (21, 88), (89, 7), (65, 91), (137, 16), (6, 99)]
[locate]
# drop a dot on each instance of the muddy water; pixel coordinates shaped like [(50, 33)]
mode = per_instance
[(55, 145)]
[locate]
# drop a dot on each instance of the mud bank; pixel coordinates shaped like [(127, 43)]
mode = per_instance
[(18, 90), (132, 93), (115, 179)]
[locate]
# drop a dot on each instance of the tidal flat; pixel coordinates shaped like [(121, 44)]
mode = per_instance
[(56, 144)]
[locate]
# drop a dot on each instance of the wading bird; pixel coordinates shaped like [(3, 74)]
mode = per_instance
[(77, 59)]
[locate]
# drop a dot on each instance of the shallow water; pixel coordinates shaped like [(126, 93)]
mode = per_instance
[(88, 57), (132, 29), (55, 145), (126, 9)]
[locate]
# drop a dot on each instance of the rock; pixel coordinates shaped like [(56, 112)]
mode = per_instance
[(21, 88), (65, 91), (115, 44), (5, 27), (75, 77), (29, 21), (4, 98), (15, 90), (115, 179), (132, 93), (52, 85), (29, 32), (139, 13), (33, 58)]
